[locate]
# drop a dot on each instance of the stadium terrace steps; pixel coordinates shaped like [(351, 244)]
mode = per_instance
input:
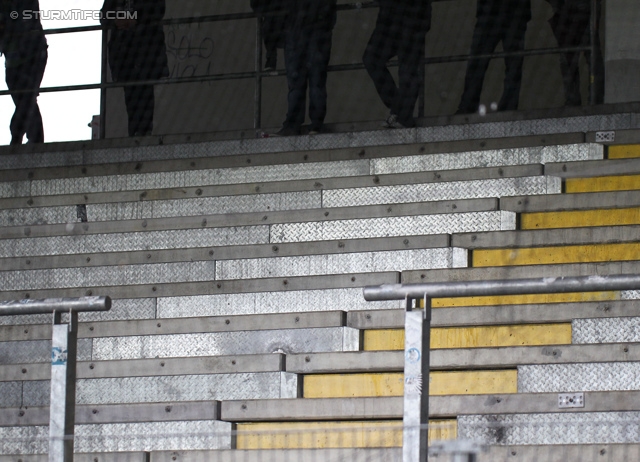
[(252, 318)]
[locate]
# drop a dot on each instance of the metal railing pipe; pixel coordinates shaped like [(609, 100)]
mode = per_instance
[(502, 287), (64, 345), (50, 305)]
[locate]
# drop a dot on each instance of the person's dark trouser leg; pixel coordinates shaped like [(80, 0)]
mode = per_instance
[(35, 128), (26, 118), (382, 46), (295, 52), (569, 31), (485, 39), (410, 58), (318, 57), (513, 41), (147, 105)]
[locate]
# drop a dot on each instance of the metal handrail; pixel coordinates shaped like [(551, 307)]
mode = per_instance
[(418, 324), (64, 345)]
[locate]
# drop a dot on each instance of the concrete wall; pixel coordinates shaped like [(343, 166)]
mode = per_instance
[(223, 47), (622, 51)]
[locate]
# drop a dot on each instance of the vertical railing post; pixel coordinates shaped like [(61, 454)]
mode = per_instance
[(257, 108), (103, 80), (416, 382), (64, 341), (593, 65)]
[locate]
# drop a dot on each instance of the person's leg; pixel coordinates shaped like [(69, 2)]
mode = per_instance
[(318, 58), (270, 36), (146, 106), (410, 60), (131, 103), (296, 45), (20, 100), (382, 46), (484, 41), (513, 41), (569, 32), (34, 127)]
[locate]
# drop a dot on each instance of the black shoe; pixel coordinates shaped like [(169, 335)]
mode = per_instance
[(271, 62), (287, 131), (316, 129)]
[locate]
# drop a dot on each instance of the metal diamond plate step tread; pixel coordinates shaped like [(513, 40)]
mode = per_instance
[(592, 376), (157, 389), (191, 345), (166, 273), (592, 168), (265, 179), (230, 252), (571, 127), (191, 227)]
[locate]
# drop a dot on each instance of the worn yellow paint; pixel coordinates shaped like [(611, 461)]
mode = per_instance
[(580, 218), (556, 255), (392, 384), (624, 151), (320, 435), (475, 337), (602, 183), (524, 299)]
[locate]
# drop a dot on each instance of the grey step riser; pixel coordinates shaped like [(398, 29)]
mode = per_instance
[(284, 201), (567, 125), (233, 269), (191, 345), (299, 172), (418, 225)]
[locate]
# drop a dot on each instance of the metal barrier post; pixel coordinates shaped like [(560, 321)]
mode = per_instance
[(62, 408), (415, 418), (64, 345), (257, 108)]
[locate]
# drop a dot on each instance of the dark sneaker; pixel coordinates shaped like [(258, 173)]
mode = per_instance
[(270, 63), (287, 131)]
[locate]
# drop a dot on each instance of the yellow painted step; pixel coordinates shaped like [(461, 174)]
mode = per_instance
[(322, 435), (624, 151), (475, 337), (556, 255), (580, 218), (525, 299), (392, 384), (602, 183)]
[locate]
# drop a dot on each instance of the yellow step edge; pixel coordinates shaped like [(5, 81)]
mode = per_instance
[(474, 337), (325, 435), (580, 218), (602, 183), (526, 299), (392, 384), (624, 151), (556, 255)]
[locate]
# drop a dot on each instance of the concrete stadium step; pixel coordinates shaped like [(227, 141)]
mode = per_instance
[(556, 254), (526, 271), (498, 315), (572, 202), (463, 359), (592, 168), (624, 151), (547, 237), (528, 453), (338, 409), (134, 157), (259, 222), (281, 196)]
